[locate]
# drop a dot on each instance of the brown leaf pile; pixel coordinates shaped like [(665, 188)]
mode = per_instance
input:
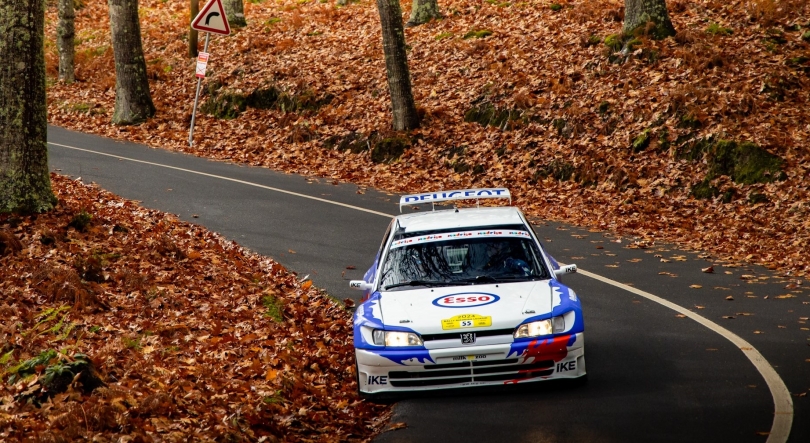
[(580, 109), (194, 337)]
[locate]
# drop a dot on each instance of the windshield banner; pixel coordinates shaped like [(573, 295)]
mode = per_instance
[(458, 235)]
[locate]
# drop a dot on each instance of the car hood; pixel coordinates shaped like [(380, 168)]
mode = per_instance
[(435, 310)]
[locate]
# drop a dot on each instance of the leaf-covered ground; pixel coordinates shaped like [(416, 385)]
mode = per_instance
[(193, 337), (620, 139)]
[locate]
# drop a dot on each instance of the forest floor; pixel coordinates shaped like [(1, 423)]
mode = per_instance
[(702, 139), (179, 333)]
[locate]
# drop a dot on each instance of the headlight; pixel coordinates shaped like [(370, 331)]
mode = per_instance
[(542, 327), (396, 338)]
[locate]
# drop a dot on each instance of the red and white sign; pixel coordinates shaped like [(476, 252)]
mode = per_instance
[(465, 300), (202, 62), (212, 19)]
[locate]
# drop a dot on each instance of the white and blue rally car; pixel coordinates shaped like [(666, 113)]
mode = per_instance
[(464, 297)]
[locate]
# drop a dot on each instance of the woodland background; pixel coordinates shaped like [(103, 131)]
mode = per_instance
[(700, 139)]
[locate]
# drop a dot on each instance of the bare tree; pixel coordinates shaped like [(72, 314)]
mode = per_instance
[(193, 35), (65, 33), (235, 11), (396, 66), (651, 15), (423, 11), (25, 185), (133, 103)]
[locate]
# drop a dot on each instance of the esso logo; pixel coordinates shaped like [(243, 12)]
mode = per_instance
[(465, 300)]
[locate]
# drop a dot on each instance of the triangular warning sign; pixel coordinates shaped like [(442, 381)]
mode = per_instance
[(212, 19)]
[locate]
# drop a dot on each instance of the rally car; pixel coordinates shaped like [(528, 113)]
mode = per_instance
[(464, 297)]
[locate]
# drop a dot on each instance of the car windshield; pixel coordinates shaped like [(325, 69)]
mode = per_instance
[(462, 258)]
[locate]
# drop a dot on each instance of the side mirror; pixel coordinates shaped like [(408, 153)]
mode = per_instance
[(567, 269), (361, 285)]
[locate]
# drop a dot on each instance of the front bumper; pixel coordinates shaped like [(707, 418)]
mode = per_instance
[(518, 362)]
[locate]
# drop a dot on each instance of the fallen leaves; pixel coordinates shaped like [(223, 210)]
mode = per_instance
[(695, 286), (730, 297), (709, 270), (200, 334), (395, 426)]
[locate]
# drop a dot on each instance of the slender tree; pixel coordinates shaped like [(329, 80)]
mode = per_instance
[(133, 103), (396, 66), (25, 185), (644, 13), (423, 11), (65, 33), (235, 11), (193, 35)]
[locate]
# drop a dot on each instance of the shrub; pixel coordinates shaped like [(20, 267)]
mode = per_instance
[(481, 33), (716, 29)]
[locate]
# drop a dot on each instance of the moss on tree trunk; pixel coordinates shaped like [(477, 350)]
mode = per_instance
[(235, 11), (423, 11), (396, 66), (65, 33), (649, 17), (133, 103), (25, 185)]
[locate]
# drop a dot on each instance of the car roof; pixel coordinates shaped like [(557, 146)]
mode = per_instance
[(461, 218)]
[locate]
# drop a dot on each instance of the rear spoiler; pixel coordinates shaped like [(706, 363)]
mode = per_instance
[(462, 194)]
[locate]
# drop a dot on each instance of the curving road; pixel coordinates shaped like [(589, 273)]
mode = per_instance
[(714, 371)]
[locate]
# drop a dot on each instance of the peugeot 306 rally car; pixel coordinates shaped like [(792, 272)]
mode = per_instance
[(464, 297)]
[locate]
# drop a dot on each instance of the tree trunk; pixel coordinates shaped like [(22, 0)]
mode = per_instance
[(25, 185), (396, 66), (638, 13), (65, 32), (193, 35), (235, 11), (133, 103), (423, 11)]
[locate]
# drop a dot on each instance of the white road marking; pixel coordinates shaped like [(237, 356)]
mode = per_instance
[(191, 171), (783, 404)]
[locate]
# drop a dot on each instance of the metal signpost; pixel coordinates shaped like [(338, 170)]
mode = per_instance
[(210, 19)]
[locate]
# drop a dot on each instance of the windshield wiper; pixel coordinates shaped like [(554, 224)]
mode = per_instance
[(521, 278), (422, 283), (500, 279), (481, 279)]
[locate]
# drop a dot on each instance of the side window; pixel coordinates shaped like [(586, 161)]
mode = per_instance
[(554, 264)]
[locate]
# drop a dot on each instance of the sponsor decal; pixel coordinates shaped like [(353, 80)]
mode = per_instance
[(466, 321), (377, 380), (470, 357), (567, 366), (465, 300)]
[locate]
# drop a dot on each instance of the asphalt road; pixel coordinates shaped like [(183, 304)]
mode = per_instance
[(654, 374)]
